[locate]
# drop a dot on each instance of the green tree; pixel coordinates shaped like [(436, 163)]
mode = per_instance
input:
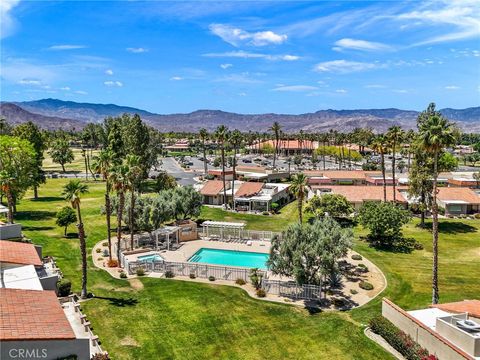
[(379, 145), (334, 205), (435, 134), (65, 217), (306, 251), (31, 132), (119, 180), (61, 153), (221, 135), (72, 192), (164, 181), (236, 140), (395, 137), (203, 133), (384, 220), (17, 164), (298, 188), (276, 129), (102, 164), (134, 176)]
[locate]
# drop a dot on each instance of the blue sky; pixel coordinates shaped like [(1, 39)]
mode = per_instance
[(242, 56)]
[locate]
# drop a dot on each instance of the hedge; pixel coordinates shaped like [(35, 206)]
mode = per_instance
[(399, 340)]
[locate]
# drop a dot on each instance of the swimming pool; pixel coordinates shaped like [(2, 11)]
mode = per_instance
[(150, 258), (230, 258)]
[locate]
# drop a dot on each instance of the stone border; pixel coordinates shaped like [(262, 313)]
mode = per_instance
[(115, 272)]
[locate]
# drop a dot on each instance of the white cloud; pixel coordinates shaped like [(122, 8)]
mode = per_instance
[(374, 86), (30, 82), (362, 45), (344, 66), (295, 88), (80, 92), (8, 24), (236, 36), (109, 72), (66, 47), (400, 91), (249, 55), (242, 94), (176, 78), (225, 66), (460, 17), (113, 83), (452, 87), (65, 88), (341, 91), (242, 78), (138, 50)]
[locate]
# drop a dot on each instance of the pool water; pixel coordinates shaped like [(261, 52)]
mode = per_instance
[(150, 258), (230, 258)]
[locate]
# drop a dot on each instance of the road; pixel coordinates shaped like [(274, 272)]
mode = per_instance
[(172, 168)]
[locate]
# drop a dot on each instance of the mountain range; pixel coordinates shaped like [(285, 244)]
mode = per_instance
[(68, 115)]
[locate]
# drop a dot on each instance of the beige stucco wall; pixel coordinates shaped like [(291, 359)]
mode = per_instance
[(421, 335)]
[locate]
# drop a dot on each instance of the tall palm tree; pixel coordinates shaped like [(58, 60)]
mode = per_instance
[(436, 134), (221, 134), (276, 128), (102, 165), (379, 145), (298, 187), (395, 136), (134, 175), (119, 181), (236, 139), (72, 192), (204, 136)]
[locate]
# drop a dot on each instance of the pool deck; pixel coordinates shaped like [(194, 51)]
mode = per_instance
[(191, 247)]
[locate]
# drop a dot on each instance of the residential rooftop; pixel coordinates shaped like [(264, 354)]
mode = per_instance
[(13, 252)]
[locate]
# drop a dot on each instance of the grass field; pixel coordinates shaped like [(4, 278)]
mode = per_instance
[(165, 319), (78, 164)]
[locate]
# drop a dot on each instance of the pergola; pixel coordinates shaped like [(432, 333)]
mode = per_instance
[(222, 227)]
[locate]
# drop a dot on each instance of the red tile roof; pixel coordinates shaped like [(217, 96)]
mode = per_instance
[(14, 252), (358, 194), (472, 307), (249, 189), (252, 168), (458, 194), (32, 315), (212, 187), (338, 174)]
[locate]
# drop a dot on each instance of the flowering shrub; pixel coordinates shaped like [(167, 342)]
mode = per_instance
[(112, 263), (399, 340)]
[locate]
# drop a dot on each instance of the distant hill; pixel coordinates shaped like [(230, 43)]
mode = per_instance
[(56, 112), (16, 115)]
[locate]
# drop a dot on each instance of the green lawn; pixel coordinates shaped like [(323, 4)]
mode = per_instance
[(78, 164), (165, 319)]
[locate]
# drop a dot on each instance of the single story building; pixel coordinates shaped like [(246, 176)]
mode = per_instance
[(285, 146), (357, 195), (180, 146), (458, 200), (260, 173), (220, 174)]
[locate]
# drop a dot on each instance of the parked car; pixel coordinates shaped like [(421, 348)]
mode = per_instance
[(247, 161)]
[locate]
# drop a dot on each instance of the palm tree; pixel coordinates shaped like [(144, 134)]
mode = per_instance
[(133, 177), (119, 181), (395, 136), (72, 192), (102, 165), (221, 135), (276, 128), (298, 187), (204, 136), (436, 134), (236, 139), (380, 147)]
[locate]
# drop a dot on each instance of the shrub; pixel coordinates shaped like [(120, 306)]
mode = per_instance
[(240, 282), (261, 293), (105, 243), (112, 263), (365, 285), (362, 267), (265, 213), (169, 274), (255, 278), (98, 250), (100, 258), (211, 278), (400, 341), (192, 276), (477, 216), (100, 357), (140, 272), (353, 291), (64, 287), (356, 257), (338, 302), (123, 275)]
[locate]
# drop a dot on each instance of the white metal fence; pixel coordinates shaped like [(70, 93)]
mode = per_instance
[(288, 289), (225, 233)]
